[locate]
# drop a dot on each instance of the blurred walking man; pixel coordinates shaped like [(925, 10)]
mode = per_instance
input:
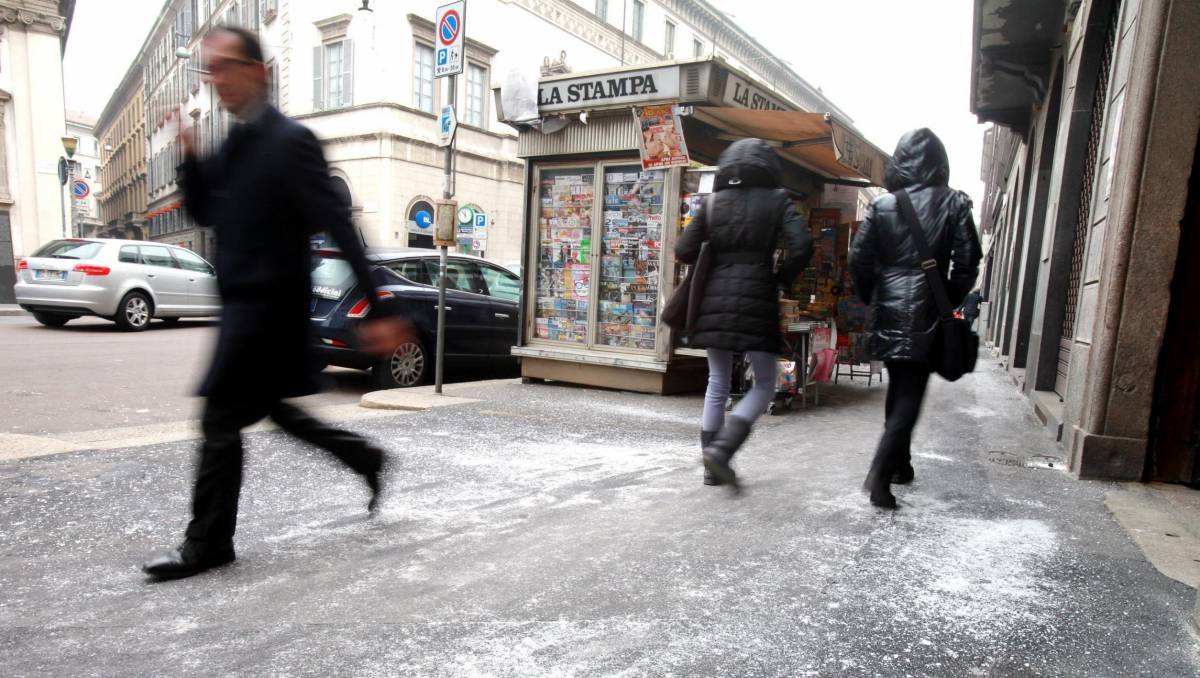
[(266, 191)]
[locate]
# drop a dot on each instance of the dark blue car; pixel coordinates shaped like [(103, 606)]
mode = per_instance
[(481, 312)]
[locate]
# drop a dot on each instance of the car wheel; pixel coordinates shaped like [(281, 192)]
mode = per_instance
[(406, 366), (53, 319), (134, 312)]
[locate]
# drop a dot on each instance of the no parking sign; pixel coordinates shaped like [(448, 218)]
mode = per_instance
[(451, 29)]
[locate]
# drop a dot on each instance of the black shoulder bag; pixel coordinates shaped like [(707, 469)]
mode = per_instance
[(681, 309), (956, 347)]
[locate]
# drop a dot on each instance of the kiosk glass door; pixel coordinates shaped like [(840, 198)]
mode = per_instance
[(564, 267), (630, 257)]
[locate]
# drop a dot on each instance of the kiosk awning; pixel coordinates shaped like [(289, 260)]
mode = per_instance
[(813, 140)]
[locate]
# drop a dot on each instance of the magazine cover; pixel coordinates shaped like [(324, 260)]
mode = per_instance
[(662, 137)]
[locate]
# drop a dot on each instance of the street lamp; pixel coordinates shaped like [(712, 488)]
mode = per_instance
[(69, 145)]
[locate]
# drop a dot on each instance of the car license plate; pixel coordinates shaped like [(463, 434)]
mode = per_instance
[(43, 274)]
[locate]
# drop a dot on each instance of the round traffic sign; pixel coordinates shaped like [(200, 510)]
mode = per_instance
[(80, 188), (448, 30)]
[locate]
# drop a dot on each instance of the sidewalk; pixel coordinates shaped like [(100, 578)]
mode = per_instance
[(11, 310), (554, 530)]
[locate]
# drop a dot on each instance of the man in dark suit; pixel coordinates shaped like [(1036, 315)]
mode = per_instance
[(266, 191)]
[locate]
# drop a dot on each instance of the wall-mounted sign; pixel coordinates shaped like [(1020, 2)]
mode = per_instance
[(662, 143), (420, 218), (629, 87), (741, 94)]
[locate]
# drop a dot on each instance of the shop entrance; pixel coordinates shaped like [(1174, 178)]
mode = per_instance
[(1175, 449)]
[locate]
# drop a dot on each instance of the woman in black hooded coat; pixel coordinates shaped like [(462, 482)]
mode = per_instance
[(887, 273), (739, 311)]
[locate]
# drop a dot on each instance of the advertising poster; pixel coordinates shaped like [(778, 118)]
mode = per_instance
[(662, 137)]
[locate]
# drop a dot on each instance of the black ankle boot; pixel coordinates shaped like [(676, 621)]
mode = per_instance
[(720, 451), (706, 438)]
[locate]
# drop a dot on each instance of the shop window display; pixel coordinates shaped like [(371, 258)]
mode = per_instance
[(564, 263), (630, 256)]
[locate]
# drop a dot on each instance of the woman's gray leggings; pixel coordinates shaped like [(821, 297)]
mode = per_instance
[(720, 374)]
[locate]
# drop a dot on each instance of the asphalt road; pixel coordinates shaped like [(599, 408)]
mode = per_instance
[(548, 530), (90, 376)]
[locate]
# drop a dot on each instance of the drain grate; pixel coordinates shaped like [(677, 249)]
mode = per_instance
[(1043, 461)]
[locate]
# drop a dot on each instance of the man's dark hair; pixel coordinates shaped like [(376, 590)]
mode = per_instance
[(251, 47)]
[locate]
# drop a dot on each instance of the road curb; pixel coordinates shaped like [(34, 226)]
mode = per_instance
[(12, 311), (410, 400)]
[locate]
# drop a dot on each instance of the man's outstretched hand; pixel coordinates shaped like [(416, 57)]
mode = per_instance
[(381, 337)]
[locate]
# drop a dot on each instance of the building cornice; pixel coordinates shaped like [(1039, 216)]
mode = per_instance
[(590, 28), (30, 19)]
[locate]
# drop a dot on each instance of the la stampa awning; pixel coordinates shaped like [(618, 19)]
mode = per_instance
[(816, 141)]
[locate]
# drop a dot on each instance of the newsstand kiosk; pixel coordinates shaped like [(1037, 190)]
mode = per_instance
[(600, 228)]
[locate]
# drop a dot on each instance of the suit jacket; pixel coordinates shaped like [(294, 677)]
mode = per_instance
[(266, 191)]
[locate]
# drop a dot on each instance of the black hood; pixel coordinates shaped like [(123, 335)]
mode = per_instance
[(748, 162), (920, 160)]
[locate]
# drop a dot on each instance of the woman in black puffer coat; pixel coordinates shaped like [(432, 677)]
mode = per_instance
[(739, 312), (887, 273)]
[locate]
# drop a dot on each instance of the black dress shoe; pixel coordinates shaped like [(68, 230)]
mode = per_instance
[(191, 558), (883, 499), (903, 476), (376, 487), (881, 492), (375, 483)]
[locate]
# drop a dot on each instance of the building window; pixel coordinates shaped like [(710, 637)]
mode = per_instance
[(602, 9), (669, 39), (639, 19), (476, 98), (333, 75), (268, 9), (423, 78), (697, 48)]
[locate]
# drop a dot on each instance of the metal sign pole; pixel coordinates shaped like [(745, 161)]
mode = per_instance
[(447, 193)]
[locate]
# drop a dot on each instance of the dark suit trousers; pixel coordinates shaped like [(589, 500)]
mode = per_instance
[(219, 478), (907, 382)]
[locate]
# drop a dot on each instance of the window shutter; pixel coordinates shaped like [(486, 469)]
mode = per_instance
[(318, 79), (347, 73)]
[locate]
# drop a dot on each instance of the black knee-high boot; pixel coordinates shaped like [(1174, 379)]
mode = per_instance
[(721, 450), (706, 438)]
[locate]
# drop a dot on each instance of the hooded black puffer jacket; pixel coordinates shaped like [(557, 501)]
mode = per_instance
[(884, 260), (740, 308)]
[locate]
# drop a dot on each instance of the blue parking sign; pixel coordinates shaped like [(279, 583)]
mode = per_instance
[(480, 221), (442, 56)]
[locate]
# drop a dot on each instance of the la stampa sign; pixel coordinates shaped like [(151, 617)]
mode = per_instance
[(629, 87)]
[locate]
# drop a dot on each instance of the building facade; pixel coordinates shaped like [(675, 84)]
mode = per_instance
[(32, 125), (121, 129), (1091, 223), (83, 186), (363, 81)]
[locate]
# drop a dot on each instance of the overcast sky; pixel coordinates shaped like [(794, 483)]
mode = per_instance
[(891, 65)]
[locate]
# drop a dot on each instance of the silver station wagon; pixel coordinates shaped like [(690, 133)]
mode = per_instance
[(126, 281)]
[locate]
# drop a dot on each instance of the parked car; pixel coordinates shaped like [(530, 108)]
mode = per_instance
[(126, 281), (482, 304)]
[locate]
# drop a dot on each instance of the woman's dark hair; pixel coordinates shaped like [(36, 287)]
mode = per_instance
[(251, 47)]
